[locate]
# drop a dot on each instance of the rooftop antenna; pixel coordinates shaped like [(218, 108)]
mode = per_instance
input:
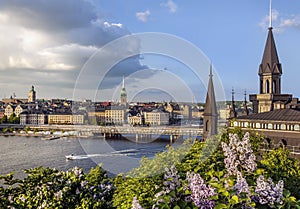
[(270, 24)]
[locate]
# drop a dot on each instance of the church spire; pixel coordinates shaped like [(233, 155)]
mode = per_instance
[(245, 110), (232, 113), (270, 69), (210, 111), (123, 94)]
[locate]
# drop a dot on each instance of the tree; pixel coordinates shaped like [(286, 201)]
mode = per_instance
[(4, 119)]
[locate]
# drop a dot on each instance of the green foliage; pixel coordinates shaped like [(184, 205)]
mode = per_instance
[(27, 129), (4, 119), (51, 188), (13, 119), (279, 165), (157, 165), (127, 188)]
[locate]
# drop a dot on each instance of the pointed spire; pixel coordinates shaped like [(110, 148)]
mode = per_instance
[(210, 104), (245, 110), (232, 112), (210, 111), (270, 61)]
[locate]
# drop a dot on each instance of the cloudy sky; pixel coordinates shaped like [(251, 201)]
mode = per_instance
[(83, 48)]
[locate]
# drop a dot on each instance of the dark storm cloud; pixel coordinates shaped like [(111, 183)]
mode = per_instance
[(48, 42), (55, 15)]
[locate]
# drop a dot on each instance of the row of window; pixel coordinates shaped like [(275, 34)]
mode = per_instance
[(271, 126)]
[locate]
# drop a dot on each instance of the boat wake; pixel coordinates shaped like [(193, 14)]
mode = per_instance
[(127, 152)]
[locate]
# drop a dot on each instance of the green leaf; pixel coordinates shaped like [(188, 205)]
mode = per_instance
[(220, 206), (234, 200)]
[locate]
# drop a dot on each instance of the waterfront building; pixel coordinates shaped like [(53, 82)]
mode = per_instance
[(115, 116), (33, 118), (9, 110), (65, 119), (98, 115), (135, 119), (157, 117), (32, 95), (19, 109), (123, 94), (210, 121)]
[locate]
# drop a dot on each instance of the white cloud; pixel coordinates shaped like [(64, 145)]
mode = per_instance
[(108, 25), (290, 22), (170, 5), (280, 22), (143, 16)]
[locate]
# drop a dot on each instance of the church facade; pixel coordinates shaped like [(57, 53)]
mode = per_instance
[(275, 115)]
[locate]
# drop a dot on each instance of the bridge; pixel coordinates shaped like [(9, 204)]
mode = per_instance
[(141, 132), (117, 131)]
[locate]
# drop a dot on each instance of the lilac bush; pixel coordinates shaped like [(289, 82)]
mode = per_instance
[(170, 185), (136, 204), (239, 155), (266, 192), (201, 192)]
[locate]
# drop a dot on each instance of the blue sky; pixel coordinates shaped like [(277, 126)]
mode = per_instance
[(46, 44)]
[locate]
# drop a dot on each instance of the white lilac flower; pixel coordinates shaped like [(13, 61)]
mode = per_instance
[(200, 191), (58, 194), (22, 198), (136, 204), (83, 183), (238, 154), (267, 192), (77, 171)]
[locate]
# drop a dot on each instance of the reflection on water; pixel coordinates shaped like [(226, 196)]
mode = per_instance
[(116, 155)]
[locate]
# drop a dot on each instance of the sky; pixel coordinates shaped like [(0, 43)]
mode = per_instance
[(82, 49)]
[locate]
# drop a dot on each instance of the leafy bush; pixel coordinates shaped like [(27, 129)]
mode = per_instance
[(51, 188)]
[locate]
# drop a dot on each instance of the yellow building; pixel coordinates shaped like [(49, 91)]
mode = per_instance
[(156, 118), (19, 109), (135, 120), (65, 119), (9, 110), (115, 116), (98, 115)]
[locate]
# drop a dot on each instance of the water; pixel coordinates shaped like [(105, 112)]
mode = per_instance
[(116, 155)]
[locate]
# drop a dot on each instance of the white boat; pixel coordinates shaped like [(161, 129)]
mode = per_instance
[(70, 157), (50, 137)]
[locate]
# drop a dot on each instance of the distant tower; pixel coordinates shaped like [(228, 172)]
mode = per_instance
[(123, 94), (232, 112), (270, 72), (32, 95), (210, 112), (245, 110)]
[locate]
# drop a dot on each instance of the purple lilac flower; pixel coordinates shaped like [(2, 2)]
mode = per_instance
[(136, 204), (170, 184), (241, 185), (171, 179), (238, 154), (267, 192), (200, 191)]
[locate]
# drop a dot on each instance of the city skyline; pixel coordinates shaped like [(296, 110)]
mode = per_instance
[(46, 44)]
